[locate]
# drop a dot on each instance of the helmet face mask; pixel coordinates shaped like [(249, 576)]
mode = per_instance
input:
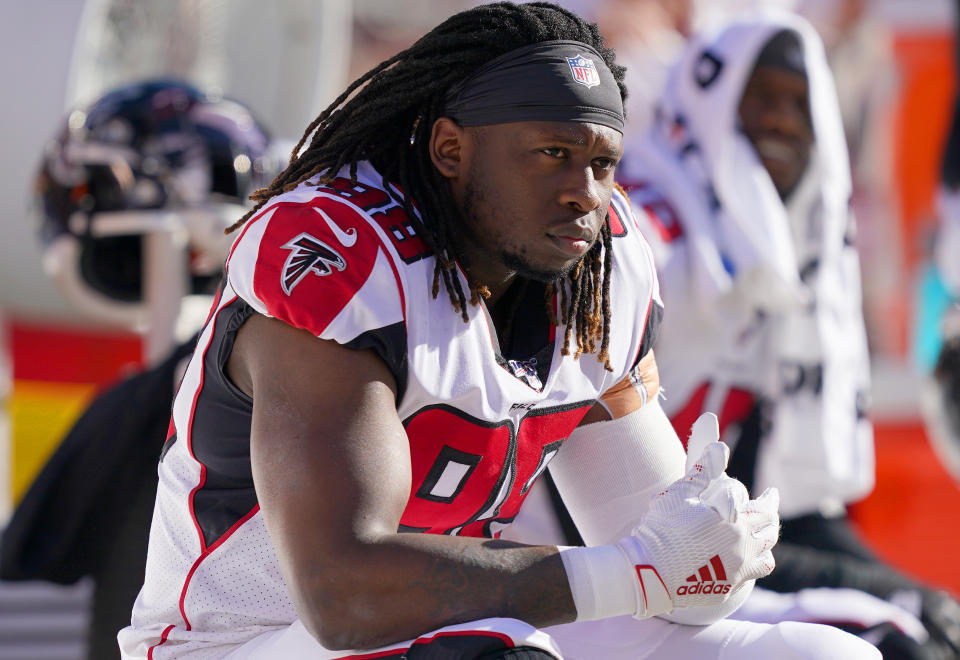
[(151, 157)]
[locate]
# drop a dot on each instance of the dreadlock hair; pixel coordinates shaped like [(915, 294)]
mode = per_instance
[(386, 116)]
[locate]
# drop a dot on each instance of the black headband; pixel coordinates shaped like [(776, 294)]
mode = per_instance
[(546, 81)]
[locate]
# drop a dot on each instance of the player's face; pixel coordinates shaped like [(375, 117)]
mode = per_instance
[(775, 115), (534, 196)]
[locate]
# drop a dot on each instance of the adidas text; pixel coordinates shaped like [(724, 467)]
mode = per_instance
[(704, 588)]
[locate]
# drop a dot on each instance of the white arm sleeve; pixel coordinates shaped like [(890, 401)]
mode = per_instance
[(608, 472)]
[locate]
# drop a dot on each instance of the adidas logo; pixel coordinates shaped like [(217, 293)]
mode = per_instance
[(707, 581)]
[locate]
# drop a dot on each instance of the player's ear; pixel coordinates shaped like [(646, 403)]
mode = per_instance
[(447, 147)]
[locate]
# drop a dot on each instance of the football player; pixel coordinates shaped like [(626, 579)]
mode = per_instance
[(441, 292)]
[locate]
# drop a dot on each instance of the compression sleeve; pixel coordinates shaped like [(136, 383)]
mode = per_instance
[(609, 471)]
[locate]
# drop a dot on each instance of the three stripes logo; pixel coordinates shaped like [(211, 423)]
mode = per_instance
[(707, 581)]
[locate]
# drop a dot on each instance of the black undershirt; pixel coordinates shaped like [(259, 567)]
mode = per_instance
[(523, 329)]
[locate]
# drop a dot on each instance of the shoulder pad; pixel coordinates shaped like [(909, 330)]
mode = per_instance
[(306, 262)]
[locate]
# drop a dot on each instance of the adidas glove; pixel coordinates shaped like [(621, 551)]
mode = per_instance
[(702, 538)]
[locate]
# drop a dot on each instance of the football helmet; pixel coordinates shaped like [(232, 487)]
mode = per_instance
[(153, 156)]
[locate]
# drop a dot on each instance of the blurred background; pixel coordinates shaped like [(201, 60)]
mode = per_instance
[(287, 59)]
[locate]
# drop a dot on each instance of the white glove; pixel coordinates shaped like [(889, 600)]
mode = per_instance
[(702, 538), (725, 494)]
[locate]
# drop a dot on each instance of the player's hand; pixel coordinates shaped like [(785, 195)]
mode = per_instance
[(703, 538)]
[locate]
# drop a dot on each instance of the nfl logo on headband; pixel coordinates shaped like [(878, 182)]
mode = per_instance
[(583, 71)]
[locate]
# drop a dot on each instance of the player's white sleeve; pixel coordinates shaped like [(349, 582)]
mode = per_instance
[(608, 472)]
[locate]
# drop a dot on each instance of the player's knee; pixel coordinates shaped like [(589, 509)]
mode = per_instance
[(519, 653), (792, 640), (474, 646)]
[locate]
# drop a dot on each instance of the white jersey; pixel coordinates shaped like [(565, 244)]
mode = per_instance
[(343, 262)]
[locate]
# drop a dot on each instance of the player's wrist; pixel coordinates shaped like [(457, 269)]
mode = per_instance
[(652, 593), (602, 581)]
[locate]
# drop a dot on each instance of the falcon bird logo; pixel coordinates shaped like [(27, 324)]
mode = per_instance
[(308, 255)]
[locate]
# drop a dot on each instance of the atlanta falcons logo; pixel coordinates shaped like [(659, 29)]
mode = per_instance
[(308, 255)]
